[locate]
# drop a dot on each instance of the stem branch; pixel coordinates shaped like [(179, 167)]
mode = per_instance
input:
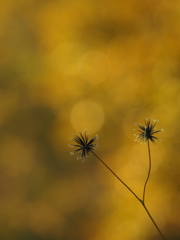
[(141, 201)]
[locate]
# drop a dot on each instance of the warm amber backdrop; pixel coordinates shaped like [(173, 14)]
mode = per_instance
[(70, 65)]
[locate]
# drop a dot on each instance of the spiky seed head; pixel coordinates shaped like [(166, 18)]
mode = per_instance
[(83, 145), (147, 131)]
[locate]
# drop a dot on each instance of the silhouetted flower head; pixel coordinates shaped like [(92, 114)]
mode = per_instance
[(147, 131), (83, 145)]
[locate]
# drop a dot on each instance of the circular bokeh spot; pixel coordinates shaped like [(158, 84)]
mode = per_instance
[(166, 74), (168, 113), (94, 67), (87, 115)]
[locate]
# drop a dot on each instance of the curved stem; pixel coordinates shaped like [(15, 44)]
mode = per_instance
[(117, 176), (149, 171)]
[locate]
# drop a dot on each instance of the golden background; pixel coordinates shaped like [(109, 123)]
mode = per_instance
[(103, 66)]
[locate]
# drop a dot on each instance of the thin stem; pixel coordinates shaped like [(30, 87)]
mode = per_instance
[(141, 201), (117, 176), (149, 171), (153, 221)]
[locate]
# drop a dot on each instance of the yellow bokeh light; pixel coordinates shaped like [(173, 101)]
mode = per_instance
[(165, 74), (87, 115), (169, 114), (94, 67), (64, 65)]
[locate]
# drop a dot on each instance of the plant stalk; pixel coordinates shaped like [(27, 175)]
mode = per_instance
[(141, 201), (149, 171), (153, 220), (117, 176)]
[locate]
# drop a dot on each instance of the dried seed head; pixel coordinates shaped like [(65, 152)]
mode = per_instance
[(83, 145), (147, 131)]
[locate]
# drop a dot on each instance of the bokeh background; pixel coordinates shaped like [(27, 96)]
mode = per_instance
[(70, 65)]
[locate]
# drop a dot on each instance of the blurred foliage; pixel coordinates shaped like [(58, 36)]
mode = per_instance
[(67, 66)]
